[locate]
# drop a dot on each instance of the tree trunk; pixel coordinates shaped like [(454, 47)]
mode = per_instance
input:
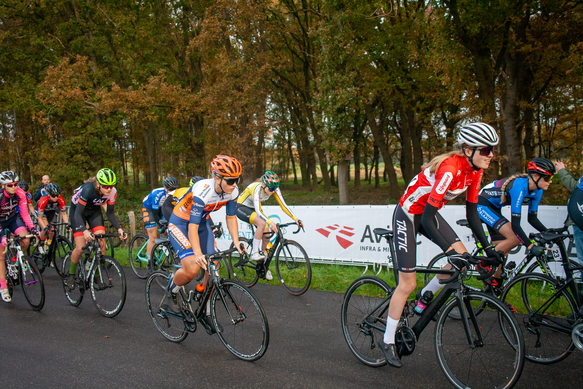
[(377, 182), (343, 167), (150, 140), (380, 141)]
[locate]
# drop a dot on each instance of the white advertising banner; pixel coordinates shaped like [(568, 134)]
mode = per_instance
[(344, 234)]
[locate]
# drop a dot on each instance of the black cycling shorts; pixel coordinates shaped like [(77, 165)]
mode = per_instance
[(244, 213), (405, 233), (92, 217)]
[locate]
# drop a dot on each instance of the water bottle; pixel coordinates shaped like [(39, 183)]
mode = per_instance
[(199, 290), (269, 246), (423, 302), (48, 243)]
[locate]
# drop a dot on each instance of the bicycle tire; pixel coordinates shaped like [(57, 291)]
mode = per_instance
[(497, 360), (39, 259), (108, 286), (138, 255), (64, 246), (171, 327), (163, 258), (364, 318), (242, 269), (32, 283), (293, 267), (74, 296), (558, 275), (240, 320), (526, 294)]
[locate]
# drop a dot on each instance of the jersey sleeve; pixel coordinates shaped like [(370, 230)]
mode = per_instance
[(443, 179), (28, 198), (533, 203), (196, 210), (282, 204), (112, 196), (473, 190), (62, 205), (517, 193), (23, 208), (231, 208), (257, 203)]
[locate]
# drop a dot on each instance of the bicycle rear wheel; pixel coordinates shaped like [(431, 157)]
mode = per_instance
[(74, 296), (242, 268), (172, 327), (138, 255), (546, 316), (108, 286), (495, 356), (32, 283), (240, 320), (293, 267), (40, 259), (64, 246), (364, 318)]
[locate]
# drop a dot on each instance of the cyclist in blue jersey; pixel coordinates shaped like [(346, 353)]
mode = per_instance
[(514, 191), (152, 209)]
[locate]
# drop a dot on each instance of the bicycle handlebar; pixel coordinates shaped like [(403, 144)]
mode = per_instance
[(474, 260), (99, 236)]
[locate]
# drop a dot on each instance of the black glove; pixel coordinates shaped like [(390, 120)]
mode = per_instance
[(459, 261), (34, 231), (492, 253), (537, 251)]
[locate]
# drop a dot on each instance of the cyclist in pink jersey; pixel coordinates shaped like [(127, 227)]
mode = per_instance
[(13, 216), (443, 178)]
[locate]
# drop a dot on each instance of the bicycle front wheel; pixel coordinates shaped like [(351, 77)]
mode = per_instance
[(293, 267), (364, 318), (545, 314), (239, 320), (32, 283), (138, 255), (171, 326), (242, 269), (492, 356), (108, 286), (75, 295)]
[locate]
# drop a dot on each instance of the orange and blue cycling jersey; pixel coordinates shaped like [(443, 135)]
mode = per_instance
[(194, 208)]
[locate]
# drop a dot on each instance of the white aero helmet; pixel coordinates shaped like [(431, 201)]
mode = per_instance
[(8, 177), (478, 135)]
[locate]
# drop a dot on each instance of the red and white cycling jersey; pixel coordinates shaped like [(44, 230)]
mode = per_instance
[(45, 205), (453, 177)]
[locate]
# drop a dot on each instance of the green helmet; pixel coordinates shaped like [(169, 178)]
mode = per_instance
[(270, 179), (106, 177), (195, 179)]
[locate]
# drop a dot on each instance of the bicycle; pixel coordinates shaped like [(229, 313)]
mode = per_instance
[(53, 251), (236, 315), (548, 309), (475, 351), (22, 269), (291, 263), (101, 274)]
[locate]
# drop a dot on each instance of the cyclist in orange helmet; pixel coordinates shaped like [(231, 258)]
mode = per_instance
[(189, 228)]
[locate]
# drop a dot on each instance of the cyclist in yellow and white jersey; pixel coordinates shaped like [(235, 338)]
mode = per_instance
[(249, 210)]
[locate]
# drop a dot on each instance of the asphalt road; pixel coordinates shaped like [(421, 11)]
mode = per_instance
[(65, 346)]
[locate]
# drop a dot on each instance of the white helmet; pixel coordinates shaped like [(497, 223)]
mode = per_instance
[(8, 177), (478, 135)]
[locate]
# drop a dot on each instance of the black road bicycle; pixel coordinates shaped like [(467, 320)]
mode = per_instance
[(236, 315), (477, 351), (54, 251), (291, 263), (102, 275), (22, 269)]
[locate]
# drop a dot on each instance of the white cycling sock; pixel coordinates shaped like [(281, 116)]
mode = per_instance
[(434, 286), (256, 245), (390, 331)]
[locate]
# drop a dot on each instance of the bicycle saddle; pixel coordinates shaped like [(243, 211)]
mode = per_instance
[(463, 223), (161, 240), (551, 237), (383, 232)]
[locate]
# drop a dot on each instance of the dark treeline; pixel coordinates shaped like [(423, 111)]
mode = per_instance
[(152, 87)]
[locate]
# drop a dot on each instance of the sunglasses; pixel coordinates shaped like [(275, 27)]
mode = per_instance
[(11, 185), (271, 189), (107, 186), (232, 181), (485, 151), (548, 178)]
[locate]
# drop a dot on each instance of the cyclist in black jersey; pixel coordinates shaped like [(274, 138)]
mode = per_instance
[(86, 209)]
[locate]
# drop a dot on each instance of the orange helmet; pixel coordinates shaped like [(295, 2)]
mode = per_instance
[(225, 166)]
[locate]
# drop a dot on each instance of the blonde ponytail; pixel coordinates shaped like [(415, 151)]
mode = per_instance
[(508, 181), (437, 161)]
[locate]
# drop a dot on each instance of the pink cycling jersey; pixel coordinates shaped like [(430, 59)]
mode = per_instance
[(10, 206)]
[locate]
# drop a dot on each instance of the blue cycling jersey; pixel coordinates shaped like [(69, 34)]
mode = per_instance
[(155, 199), (516, 192)]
